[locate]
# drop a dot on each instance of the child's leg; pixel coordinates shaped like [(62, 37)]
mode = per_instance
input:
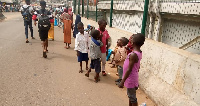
[(91, 67), (120, 72), (132, 96), (103, 60), (81, 71), (97, 69), (86, 65), (96, 78)]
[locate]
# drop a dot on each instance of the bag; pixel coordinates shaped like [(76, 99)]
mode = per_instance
[(44, 22), (26, 15)]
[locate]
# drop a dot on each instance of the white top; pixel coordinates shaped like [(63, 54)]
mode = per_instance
[(82, 42), (25, 6)]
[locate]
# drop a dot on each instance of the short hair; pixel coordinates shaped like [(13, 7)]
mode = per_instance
[(80, 24), (42, 3), (124, 41), (27, 0), (139, 39), (95, 33), (102, 21)]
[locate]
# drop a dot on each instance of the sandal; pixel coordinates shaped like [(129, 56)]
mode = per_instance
[(104, 73), (44, 54), (96, 79), (87, 74), (27, 41), (80, 71)]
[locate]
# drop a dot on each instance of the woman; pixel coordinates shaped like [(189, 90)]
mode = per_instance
[(66, 19)]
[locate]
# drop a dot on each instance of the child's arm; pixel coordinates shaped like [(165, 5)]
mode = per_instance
[(133, 58), (106, 47), (76, 45)]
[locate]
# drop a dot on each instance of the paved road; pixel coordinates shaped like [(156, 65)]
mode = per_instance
[(28, 79)]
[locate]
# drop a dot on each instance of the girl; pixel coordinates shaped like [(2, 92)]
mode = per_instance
[(81, 46), (131, 68)]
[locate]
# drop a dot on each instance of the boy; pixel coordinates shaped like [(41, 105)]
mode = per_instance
[(43, 16), (95, 54), (104, 49), (120, 56), (27, 12), (131, 68), (81, 46)]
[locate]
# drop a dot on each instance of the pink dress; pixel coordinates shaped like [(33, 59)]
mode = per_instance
[(132, 80)]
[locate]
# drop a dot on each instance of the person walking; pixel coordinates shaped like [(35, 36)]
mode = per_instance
[(27, 12), (44, 25), (66, 19)]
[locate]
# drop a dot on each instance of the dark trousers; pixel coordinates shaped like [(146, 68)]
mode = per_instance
[(26, 24)]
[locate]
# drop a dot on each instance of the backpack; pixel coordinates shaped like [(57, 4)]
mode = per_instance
[(26, 15), (44, 22)]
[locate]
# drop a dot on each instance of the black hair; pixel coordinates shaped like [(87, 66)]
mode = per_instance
[(102, 21), (95, 33), (27, 0), (80, 24), (124, 41), (42, 3), (139, 39)]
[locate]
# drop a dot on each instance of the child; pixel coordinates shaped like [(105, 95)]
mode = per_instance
[(130, 46), (120, 56), (131, 68), (81, 46), (44, 25), (104, 49), (114, 52), (95, 54)]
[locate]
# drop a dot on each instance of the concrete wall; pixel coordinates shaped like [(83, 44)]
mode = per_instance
[(170, 76)]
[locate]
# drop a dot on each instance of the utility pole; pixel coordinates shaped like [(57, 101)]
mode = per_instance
[(144, 21)]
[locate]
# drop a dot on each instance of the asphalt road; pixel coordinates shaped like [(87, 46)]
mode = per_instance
[(27, 79)]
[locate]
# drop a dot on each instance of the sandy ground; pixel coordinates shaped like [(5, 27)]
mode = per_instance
[(30, 80)]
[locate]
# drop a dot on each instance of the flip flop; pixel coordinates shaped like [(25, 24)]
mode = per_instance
[(87, 74), (80, 71)]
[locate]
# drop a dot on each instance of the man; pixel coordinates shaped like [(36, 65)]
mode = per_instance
[(27, 11), (44, 25)]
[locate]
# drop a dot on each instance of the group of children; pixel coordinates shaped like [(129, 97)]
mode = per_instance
[(127, 56), (96, 46)]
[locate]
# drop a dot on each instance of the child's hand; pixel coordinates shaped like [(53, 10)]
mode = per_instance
[(116, 61), (121, 85), (78, 53)]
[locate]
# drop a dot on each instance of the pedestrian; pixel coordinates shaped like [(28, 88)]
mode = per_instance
[(120, 56), (104, 49), (27, 12), (66, 19), (95, 54), (78, 19), (81, 46), (44, 25), (131, 68)]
